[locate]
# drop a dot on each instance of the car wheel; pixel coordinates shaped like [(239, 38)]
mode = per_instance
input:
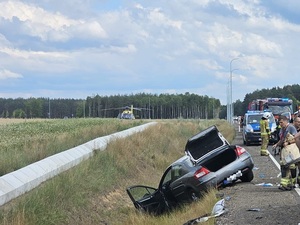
[(192, 195), (247, 176), (247, 143)]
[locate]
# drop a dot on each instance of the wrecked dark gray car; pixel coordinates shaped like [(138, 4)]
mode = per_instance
[(209, 161)]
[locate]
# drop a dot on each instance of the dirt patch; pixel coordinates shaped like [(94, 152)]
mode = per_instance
[(113, 199)]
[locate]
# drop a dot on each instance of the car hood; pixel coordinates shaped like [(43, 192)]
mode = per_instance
[(204, 142), (255, 126)]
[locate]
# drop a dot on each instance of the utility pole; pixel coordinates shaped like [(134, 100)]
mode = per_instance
[(230, 102), (49, 115)]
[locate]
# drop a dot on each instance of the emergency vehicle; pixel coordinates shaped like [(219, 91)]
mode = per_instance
[(278, 106), (251, 127)]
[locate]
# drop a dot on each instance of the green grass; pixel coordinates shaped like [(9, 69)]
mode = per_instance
[(27, 142), (94, 191)]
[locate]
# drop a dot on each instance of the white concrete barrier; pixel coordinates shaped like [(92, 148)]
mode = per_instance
[(25, 179)]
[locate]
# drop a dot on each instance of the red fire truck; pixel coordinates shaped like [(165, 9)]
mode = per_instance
[(278, 106)]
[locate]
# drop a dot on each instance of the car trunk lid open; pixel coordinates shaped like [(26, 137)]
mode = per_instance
[(205, 142)]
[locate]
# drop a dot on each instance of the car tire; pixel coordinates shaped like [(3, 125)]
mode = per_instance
[(191, 195), (247, 143), (247, 176)]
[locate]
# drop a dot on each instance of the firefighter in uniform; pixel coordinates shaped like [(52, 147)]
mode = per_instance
[(265, 133), (286, 181), (296, 123)]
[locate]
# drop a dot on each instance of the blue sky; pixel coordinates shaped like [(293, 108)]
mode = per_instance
[(80, 48)]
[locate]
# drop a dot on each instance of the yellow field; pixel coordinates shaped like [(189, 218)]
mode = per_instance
[(9, 121)]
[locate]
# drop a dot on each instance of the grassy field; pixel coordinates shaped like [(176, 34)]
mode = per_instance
[(23, 142), (94, 191)]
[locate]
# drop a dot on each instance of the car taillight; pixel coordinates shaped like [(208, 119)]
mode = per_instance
[(201, 172), (240, 150)]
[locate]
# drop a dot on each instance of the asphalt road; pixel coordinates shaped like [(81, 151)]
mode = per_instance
[(250, 203)]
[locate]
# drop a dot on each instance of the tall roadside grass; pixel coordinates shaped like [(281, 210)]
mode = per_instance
[(94, 191), (22, 143)]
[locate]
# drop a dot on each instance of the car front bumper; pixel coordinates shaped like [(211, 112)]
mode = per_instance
[(253, 137)]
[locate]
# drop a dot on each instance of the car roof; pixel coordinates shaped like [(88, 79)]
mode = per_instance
[(257, 113), (183, 160), (254, 112)]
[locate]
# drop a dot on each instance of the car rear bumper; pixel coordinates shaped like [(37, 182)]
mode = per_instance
[(243, 164)]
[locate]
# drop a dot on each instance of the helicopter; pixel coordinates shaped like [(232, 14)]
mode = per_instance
[(127, 112)]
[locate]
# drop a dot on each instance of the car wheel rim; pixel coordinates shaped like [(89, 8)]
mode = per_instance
[(194, 196)]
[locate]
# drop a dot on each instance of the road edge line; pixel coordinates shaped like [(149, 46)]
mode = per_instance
[(278, 166)]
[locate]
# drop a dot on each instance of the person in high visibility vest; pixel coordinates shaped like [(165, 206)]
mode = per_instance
[(264, 133), (286, 181), (296, 123)]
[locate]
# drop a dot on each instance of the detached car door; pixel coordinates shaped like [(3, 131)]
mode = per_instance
[(147, 199)]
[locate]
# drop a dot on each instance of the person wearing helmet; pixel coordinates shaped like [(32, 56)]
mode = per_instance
[(264, 133), (296, 123), (286, 181)]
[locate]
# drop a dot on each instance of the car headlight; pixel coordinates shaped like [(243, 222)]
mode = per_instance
[(249, 128)]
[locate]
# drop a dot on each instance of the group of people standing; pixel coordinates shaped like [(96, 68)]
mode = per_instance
[(290, 174)]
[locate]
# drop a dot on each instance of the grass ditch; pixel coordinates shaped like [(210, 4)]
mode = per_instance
[(94, 191)]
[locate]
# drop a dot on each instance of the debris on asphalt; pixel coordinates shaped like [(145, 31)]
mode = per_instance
[(254, 210), (218, 210), (227, 198), (264, 184), (219, 195)]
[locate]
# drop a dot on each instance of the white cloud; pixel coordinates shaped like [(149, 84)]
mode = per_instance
[(260, 44), (160, 46), (157, 17), (38, 61), (249, 8), (127, 49), (50, 26), (208, 64), (3, 41), (30, 13), (6, 74)]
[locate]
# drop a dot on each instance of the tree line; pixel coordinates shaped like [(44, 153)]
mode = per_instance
[(288, 91), (163, 106)]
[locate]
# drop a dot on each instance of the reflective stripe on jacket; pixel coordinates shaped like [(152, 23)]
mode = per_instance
[(264, 127)]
